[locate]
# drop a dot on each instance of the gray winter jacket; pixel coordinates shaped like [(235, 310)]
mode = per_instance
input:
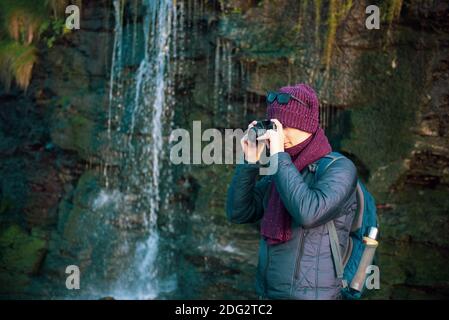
[(301, 268)]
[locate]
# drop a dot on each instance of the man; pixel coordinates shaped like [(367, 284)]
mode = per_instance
[(293, 204)]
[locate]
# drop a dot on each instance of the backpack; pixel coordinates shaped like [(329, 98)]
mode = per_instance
[(347, 265)]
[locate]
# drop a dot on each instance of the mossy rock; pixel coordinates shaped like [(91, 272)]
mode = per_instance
[(65, 81), (14, 187), (73, 131), (88, 186), (75, 215), (416, 217), (213, 199), (420, 268), (21, 257), (5, 205), (87, 103), (272, 38), (385, 115), (270, 76), (202, 90)]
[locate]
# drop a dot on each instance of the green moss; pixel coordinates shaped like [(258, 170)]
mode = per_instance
[(82, 133), (21, 252), (212, 201), (415, 216), (72, 131), (318, 6), (273, 37), (332, 23), (72, 226), (411, 271), (392, 10), (5, 205), (270, 74), (87, 187), (337, 11), (382, 122), (76, 205), (79, 226)]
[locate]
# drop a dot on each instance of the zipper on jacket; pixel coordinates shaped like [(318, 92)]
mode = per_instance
[(299, 254), (265, 272)]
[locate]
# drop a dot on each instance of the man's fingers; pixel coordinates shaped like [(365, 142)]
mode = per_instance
[(252, 124), (278, 124), (265, 136)]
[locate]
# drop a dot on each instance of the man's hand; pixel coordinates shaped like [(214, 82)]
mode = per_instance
[(252, 150), (275, 138)]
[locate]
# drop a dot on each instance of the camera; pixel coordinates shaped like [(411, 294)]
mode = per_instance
[(260, 128)]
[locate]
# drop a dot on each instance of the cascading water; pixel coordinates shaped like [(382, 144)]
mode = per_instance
[(217, 91), (138, 119), (223, 76), (122, 232)]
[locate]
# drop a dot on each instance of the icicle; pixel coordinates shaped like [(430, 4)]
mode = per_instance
[(201, 13), (195, 13), (317, 23), (191, 13), (182, 23), (217, 76), (116, 57), (174, 34), (243, 85), (134, 39), (223, 88), (229, 80)]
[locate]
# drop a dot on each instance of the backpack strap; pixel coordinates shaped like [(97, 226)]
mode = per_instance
[(325, 162), (336, 254), (333, 156), (333, 237)]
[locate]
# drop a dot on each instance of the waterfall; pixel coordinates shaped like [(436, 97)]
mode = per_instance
[(229, 82), (116, 57), (217, 77), (115, 71), (244, 84), (139, 116), (223, 75)]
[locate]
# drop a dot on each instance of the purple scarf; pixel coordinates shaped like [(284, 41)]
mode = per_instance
[(276, 222)]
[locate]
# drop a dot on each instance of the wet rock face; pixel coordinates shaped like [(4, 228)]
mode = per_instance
[(389, 92), (48, 136), (384, 103)]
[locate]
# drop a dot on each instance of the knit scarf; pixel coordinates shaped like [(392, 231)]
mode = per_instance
[(276, 222)]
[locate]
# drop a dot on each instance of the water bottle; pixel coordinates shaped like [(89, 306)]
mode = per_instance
[(367, 258)]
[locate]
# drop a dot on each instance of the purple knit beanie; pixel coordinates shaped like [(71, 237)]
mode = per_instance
[(294, 114)]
